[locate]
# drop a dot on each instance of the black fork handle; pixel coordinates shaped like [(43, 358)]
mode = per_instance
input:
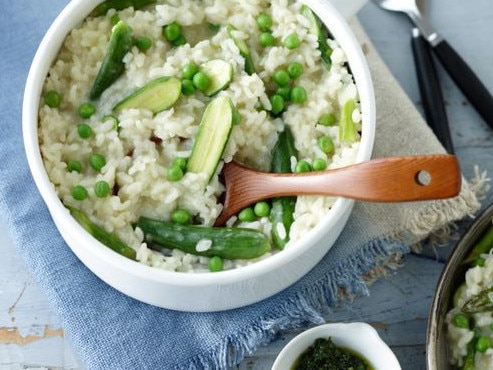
[(467, 81)]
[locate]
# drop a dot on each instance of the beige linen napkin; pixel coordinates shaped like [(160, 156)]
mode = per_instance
[(401, 130)]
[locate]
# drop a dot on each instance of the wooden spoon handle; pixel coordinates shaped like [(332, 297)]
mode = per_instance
[(394, 179)]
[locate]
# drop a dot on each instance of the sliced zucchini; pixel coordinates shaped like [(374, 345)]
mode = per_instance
[(316, 29), (220, 72), (212, 137), (348, 132), (157, 95), (112, 67), (243, 48)]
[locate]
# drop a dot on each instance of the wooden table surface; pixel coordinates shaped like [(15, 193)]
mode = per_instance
[(31, 336)]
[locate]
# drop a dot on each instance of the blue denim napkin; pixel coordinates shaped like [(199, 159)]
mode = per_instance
[(109, 330)]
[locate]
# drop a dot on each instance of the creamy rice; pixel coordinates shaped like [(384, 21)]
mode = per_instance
[(477, 279), (136, 165)]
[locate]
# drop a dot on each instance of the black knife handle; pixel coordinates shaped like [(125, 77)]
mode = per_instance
[(431, 91), (472, 88)]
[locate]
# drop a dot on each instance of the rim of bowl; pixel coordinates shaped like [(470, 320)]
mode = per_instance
[(357, 336), (74, 13), (450, 278)]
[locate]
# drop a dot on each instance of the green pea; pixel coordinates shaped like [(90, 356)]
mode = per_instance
[(327, 119), (180, 162), (201, 81), (181, 216), (172, 31), (53, 99), (84, 130), (261, 209), (102, 189), (79, 192), (143, 43), (189, 70), (460, 320), (298, 95), (86, 110), (97, 161), (295, 70), (292, 41), (181, 40), (174, 173), (277, 102), (264, 21), (281, 77), (326, 144), (74, 166), (302, 166), (319, 164), (215, 264), (246, 215), (267, 39), (187, 87), (284, 91), (114, 19), (483, 343)]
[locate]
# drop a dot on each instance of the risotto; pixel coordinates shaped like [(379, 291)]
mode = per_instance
[(114, 158), (470, 321)]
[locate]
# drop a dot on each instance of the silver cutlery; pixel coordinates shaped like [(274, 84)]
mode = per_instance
[(472, 88)]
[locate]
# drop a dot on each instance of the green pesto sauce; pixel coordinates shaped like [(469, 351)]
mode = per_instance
[(323, 354)]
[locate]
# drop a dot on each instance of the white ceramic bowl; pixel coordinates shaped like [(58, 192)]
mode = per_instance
[(179, 291), (359, 337)]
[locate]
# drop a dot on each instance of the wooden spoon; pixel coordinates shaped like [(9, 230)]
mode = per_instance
[(393, 179)]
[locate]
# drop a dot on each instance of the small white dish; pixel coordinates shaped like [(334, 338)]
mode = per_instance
[(359, 337)]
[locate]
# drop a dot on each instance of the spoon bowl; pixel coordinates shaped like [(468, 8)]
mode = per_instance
[(393, 179)]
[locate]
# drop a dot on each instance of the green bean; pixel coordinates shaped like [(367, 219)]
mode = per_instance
[(483, 246), (108, 239), (226, 242)]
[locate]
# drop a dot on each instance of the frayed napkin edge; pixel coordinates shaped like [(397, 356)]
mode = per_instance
[(308, 306), (374, 261)]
